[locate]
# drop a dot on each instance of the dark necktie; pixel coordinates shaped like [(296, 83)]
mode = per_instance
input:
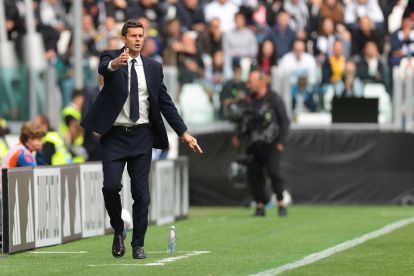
[(133, 94)]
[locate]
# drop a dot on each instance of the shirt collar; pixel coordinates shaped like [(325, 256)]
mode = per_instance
[(138, 59)]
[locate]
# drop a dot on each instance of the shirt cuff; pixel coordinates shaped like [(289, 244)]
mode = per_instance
[(110, 67)]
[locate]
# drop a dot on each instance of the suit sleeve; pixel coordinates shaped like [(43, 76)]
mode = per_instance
[(168, 108), (282, 117), (104, 61)]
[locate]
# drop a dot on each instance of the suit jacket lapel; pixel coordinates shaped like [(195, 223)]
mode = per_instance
[(147, 74)]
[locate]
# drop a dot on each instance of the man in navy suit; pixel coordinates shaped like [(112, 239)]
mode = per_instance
[(127, 113)]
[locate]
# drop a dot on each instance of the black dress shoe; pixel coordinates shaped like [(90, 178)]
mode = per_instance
[(118, 246), (260, 212), (138, 252), (282, 211)]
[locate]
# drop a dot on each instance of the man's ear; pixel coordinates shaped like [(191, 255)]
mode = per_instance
[(123, 39)]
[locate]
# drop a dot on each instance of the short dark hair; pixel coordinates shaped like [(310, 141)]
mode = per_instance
[(239, 13), (78, 93), (131, 23)]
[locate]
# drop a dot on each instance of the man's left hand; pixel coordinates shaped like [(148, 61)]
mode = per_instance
[(191, 142), (280, 147)]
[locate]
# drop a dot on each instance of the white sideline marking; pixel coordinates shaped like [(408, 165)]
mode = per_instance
[(159, 262), (338, 248), (58, 252), (147, 264), (165, 252)]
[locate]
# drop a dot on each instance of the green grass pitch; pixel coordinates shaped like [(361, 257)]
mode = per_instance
[(229, 241)]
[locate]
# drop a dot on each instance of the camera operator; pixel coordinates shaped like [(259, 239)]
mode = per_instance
[(264, 128)]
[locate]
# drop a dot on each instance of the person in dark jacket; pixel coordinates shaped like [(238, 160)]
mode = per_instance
[(265, 130)]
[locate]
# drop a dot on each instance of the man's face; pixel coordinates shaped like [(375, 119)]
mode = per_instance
[(240, 21), (253, 82), (298, 48), (134, 39), (283, 19), (338, 49), (365, 24), (191, 4), (371, 50)]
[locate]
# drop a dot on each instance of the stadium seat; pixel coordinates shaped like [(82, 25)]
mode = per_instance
[(195, 105), (377, 90)]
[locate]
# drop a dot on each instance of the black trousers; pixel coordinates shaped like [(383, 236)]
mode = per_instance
[(265, 157), (134, 148)]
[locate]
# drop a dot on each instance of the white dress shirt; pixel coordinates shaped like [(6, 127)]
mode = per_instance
[(143, 95)]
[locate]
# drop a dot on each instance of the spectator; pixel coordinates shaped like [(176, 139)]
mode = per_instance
[(191, 15), (15, 24), (352, 84), (298, 63), (106, 31), (259, 15), (371, 69), (299, 14), (273, 8), (70, 129), (313, 26), (325, 39), (239, 43), (117, 9), (214, 38), (170, 37), (365, 33), (149, 9), (402, 42), (149, 29), (150, 49), (54, 149), (267, 56), (304, 98), (190, 64), (234, 92), (95, 9), (333, 10), (52, 21), (259, 25), (345, 36), (114, 43), (355, 9), (214, 74), (333, 69), (283, 35), (323, 44), (223, 10), (30, 141), (89, 36)]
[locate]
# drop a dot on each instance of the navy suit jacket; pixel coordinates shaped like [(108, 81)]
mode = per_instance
[(114, 93)]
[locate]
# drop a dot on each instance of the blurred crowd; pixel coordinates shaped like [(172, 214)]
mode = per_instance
[(322, 44)]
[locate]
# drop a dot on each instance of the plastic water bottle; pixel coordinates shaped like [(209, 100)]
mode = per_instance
[(171, 240)]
